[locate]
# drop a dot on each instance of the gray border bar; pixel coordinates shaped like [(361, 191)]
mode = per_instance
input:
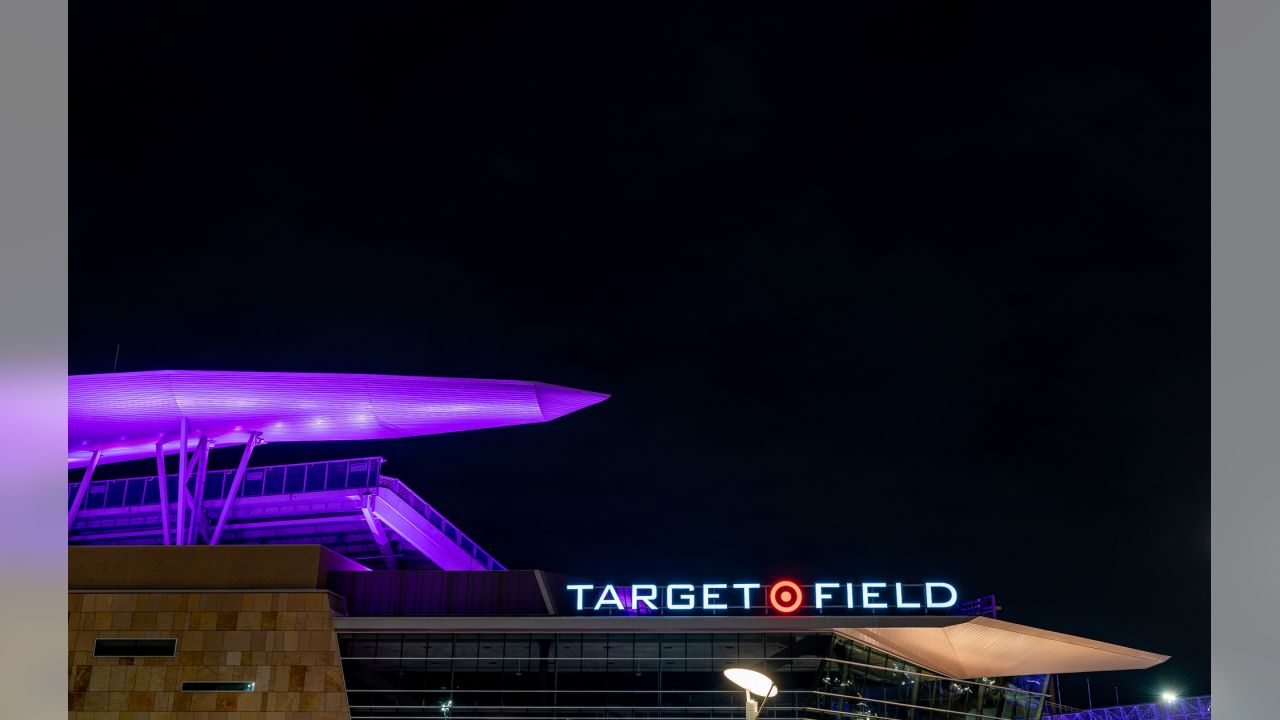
[(1246, 356), (33, 356)]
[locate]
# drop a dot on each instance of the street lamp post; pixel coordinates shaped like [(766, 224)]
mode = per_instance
[(753, 683)]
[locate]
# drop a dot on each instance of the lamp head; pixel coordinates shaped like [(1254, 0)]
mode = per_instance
[(752, 681)]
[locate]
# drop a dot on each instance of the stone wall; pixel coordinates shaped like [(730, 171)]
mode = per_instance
[(281, 640)]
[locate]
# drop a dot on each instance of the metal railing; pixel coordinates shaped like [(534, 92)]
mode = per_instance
[(1189, 708), (436, 519), (268, 480), (272, 480)]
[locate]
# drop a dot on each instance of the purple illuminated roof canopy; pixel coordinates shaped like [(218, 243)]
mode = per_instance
[(124, 415)]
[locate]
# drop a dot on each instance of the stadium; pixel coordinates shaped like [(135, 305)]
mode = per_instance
[(330, 590)]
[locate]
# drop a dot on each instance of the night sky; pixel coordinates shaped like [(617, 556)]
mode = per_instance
[(913, 293)]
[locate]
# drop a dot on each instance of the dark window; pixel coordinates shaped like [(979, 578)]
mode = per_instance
[(134, 647), (295, 478), (217, 686)]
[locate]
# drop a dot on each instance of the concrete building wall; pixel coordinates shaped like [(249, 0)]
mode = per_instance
[(282, 641), (257, 614)]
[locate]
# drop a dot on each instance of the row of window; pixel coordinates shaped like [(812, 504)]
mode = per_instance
[(632, 674), (281, 479), (738, 646)]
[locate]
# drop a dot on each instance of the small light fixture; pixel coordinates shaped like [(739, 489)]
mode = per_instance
[(1168, 696), (754, 683)]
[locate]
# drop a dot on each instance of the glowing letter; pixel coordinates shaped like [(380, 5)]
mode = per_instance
[(867, 594), (820, 593), (686, 598), (579, 588), (708, 596), (746, 589), (604, 598), (848, 595), (903, 605), (928, 594), (647, 598)]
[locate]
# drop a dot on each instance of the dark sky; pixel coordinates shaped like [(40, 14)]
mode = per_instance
[(920, 293)]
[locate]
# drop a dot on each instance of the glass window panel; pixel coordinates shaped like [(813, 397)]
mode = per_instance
[(621, 645), (751, 646), (213, 484), (273, 484), (295, 478), (115, 493), (673, 645), (594, 646), (389, 645), (777, 645), (134, 492), (252, 484), (439, 646), (724, 645), (316, 473), (337, 476), (364, 645), (490, 646), (415, 646), (517, 646), (466, 646), (96, 497)]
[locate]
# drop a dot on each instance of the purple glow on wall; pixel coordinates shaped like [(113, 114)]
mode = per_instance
[(124, 415)]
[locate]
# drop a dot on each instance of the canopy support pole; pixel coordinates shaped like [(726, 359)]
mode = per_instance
[(230, 501), (164, 492), (197, 502), (183, 476), (379, 534), (83, 490)]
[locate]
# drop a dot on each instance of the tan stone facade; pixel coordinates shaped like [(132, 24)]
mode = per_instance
[(281, 640)]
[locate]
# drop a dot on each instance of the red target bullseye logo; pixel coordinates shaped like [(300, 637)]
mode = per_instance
[(785, 596)]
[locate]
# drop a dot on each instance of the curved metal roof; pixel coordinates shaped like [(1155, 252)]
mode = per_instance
[(124, 415)]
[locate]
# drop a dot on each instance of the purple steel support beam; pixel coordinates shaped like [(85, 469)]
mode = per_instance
[(230, 502), (164, 491), (379, 535), (181, 537), (396, 514), (83, 490), (198, 519)]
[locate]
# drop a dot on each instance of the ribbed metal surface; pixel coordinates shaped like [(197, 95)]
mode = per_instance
[(983, 647), (125, 414)]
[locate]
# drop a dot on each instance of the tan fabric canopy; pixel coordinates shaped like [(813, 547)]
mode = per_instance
[(982, 647)]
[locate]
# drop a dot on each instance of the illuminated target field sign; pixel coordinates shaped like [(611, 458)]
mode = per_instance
[(784, 597)]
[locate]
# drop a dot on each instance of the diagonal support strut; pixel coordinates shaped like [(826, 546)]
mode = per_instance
[(230, 501), (83, 490)]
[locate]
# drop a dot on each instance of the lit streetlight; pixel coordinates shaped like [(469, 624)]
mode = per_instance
[(754, 683)]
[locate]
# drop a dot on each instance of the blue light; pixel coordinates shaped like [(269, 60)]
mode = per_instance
[(746, 589), (647, 598), (928, 594), (688, 601), (579, 589), (604, 598), (868, 594), (820, 593), (902, 605), (708, 595)]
